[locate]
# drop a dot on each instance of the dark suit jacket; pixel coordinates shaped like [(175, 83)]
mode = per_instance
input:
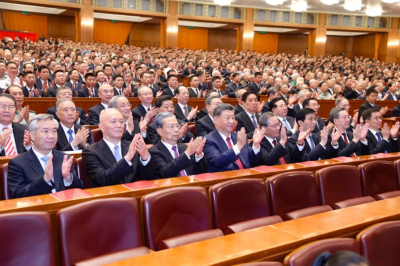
[(168, 91), (347, 150), (186, 72), (396, 110), (82, 116), (308, 154), (180, 115), (204, 126), (297, 108), (18, 131), (77, 88), (365, 106), (167, 166), (39, 85), (270, 155), (238, 109), (290, 120), (379, 147), (390, 98), (25, 175), (136, 129), (52, 92), (202, 113), (266, 107), (154, 137), (138, 112), (85, 92), (192, 93), (254, 87), (26, 92), (221, 158), (94, 114), (319, 125), (116, 91), (203, 86), (62, 140), (244, 121), (231, 88), (101, 166)]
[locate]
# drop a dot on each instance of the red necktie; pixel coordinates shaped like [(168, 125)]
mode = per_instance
[(45, 86), (347, 143), (151, 119), (9, 146), (281, 160), (238, 161)]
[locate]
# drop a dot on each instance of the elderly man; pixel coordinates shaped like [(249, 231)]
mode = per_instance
[(182, 110), (350, 143), (240, 105), (22, 114), (114, 161), (232, 87), (380, 139), (42, 170), (145, 95), (131, 127), (106, 92), (206, 124), (301, 96), (228, 150), (172, 158), (11, 79), (14, 137), (279, 108), (65, 92), (71, 136), (313, 104)]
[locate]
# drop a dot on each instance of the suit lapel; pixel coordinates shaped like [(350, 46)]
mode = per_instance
[(161, 147), (247, 120), (107, 152), (35, 163), (18, 136), (57, 163), (62, 138)]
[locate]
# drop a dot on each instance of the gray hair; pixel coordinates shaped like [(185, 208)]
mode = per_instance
[(62, 88), (113, 101), (210, 98), (33, 123), (59, 102), (222, 107), (159, 119), (107, 110), (334, 113), (339, 100), (238, 93), (141, 87), (263, 120), (271, 90)]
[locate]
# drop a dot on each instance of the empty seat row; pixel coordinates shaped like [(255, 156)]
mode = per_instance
[(379, 244)]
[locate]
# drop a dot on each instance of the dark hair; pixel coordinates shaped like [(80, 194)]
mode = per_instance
[(247, 94), (57, 71), (97, 73), (107, 65), (89, 75), (215, 78), (235, 74), (162, 99), (191, 77), (171, 76), (366, 115), (27, 73), (10, 96), (371, 90), (345, 258), (222, 107), (176, 91), (307, 101), (199, 73), (334, 113), (271, 90), (257, 74), (302, 114), (272, 104), (117, 76)]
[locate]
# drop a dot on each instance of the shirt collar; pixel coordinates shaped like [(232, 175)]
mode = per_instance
[(38, 154), (111, 145)]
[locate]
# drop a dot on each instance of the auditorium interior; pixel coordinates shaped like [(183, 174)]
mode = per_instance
[(293, 213)]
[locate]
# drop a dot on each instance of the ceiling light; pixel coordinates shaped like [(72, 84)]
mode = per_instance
[(298, 5), (390, 1), (274, 2), (374, 8), (330, 2), (222, 2), (352, 5)]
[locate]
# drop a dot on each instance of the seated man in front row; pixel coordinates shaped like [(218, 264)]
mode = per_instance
[(114, 161), (42, 170), (226, 149), (172, 158), (380, 139)]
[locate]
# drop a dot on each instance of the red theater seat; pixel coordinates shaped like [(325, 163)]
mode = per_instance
[(5, 193), (80, 170), (114, 257)]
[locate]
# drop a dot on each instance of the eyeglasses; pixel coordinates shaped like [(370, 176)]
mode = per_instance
[(174, 126), (312, 119), (66, 94), (126, 105), (5, 107), (345, 117)]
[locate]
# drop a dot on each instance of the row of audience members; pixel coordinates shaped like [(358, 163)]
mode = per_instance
[(220, 142)]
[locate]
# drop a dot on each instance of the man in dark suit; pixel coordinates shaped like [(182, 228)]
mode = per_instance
[(371, 97), (165, 104), (74, 82), (71, 136), (380, 139), (130, 84), (29, 89), (396, 111), (172, 158), (182, 110), (43, 82), (59, 80), (172, 83), (106, 92), (189, 70), (392, 89), (42, 170), (206, 124), (240, 106), (203, 112), (228, 150), (145, 95), (14, 137), (248, 119), (301, 97), (217, 83), (274, 146), (271, 94), (114, 161), (89, 90), (232, 87), (65, 92), (118, 82), (312, 146), (257, 86), (279, 108), (350, 143), (314, 105), (194, 91)]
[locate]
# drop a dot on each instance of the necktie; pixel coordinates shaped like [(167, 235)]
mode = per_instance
[(151, 119), (116, 153), (186, 111), (253, 118), (287, 126), (45, 159), (45, 86), (70, 138), (380, 139), (109, 80), (347, 142), (181, 172), (91, 94), (238, 161), (310, 139), (73, 85), (9, 146), (12, 81), (281, 160)]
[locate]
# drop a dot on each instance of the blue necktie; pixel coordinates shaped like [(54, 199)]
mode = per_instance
[(70, 138), (116, 153), (311, 142), (380, 139), (286, 124), (45, 159)]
